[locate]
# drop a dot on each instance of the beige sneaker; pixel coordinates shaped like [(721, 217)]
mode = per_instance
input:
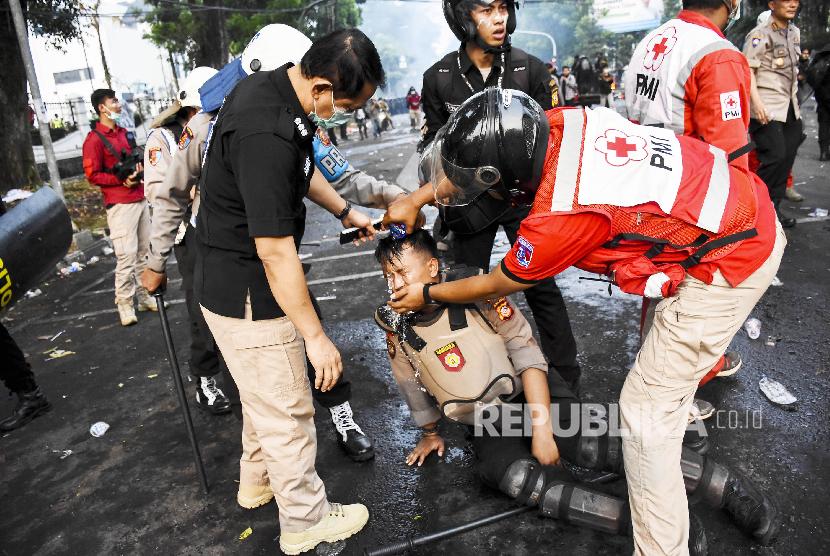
[(341, 523), (254, 496), (146, 302), (793, 195), (126, 313)]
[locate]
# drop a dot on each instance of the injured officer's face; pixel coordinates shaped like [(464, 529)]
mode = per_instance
[(491, 22), (410, 267)]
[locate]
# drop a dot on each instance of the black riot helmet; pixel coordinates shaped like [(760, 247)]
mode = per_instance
[(494, 145), (457, 14)]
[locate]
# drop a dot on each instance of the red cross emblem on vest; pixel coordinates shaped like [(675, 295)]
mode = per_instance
[(659, 47), (620, 148)]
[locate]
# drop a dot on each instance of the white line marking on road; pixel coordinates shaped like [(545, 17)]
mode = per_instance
[(95, 292), (86, 315), (346, 278), (343, 256), (809, 219)]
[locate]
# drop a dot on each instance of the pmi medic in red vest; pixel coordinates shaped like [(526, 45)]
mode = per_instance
[(661, 215), (685, 76)]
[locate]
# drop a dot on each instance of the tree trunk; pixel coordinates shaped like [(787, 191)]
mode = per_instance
[(213, 41), (17, 160), (96, 24)]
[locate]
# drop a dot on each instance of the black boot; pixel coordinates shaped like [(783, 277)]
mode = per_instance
[(719, 487), (350, 437), (751, 509), (210, 398), (786, 221), (30, 405)]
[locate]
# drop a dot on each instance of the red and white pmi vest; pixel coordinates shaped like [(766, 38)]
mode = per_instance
[(667, 189), (655, 81)]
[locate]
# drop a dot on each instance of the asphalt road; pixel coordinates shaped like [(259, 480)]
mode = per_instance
[(134, 490)]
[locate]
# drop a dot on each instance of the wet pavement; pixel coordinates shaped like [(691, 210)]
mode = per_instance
[(135, 491)]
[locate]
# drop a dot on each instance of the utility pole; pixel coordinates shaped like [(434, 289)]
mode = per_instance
[(40, 106)]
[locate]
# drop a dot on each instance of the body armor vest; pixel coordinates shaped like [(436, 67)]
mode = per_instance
[(458, 357)]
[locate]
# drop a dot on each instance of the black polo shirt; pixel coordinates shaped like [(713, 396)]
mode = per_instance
[(257, 172), (445, 87)]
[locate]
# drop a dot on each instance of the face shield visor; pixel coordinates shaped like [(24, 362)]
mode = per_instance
[(455, 185)]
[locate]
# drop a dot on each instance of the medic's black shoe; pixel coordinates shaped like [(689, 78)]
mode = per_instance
[(29, 405), (751, 509), (210, 398), (350, 437), (698, 544)]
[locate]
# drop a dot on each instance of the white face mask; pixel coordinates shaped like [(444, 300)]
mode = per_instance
[(338, 116)]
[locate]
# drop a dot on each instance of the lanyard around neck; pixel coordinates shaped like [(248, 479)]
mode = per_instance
[(467, 81)]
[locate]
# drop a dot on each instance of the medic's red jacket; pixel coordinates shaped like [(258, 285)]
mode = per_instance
[(97, 159), (686, 76), (619, 181)]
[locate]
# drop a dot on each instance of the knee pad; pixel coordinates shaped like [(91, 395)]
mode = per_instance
[(705, 479), (586, 508), (523, 481), (600, 453)]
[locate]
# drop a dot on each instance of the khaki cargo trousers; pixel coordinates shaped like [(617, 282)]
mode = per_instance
[(279, 440), (691, 331), (129, 225)]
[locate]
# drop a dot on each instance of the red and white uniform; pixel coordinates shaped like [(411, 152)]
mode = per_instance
[(621, 178), (687, 77)]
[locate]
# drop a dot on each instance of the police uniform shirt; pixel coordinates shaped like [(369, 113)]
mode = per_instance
[(439, 101), (773, 54), (257, 172)]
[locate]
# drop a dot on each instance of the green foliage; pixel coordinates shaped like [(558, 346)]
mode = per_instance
[(57, 20), (178, 28)]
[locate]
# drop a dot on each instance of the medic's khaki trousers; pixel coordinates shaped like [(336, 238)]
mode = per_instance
[(691, 331), (129, 226), (279, 441)]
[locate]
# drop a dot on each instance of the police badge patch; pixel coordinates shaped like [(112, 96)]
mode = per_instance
[(524, 252), (756, 41), (154, 155), (503, 308), (451, 357), (186, 138)]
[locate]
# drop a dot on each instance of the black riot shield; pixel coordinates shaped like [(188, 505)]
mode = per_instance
[(34, 235)]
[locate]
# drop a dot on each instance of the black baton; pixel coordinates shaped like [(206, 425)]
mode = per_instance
[(412, 542), (177, 380)]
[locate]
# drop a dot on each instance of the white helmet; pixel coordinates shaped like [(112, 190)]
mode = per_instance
[(189, 93), (763, 17), (273, 46)]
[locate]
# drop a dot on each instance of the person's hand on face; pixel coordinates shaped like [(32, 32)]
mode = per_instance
[(406, 276)]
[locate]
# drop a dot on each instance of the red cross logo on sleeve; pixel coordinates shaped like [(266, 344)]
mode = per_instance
[(620, 148), (659, 47)]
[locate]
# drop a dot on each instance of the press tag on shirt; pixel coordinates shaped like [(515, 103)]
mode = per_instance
[(730, 106)]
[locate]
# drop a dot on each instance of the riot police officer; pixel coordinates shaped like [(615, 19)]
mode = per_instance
[(487, 59)]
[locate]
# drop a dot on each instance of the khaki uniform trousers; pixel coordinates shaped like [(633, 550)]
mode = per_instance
[(691, 331), (279, 440), (129, 225)]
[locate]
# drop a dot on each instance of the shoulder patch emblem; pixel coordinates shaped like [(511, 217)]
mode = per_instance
[(730, 106), (451, 357), (390, 345), (524, 252), (154, 155), (756, 41), (503, 308), (186, 138)]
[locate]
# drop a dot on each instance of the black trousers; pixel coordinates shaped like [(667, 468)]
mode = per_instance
[(205, 357), (496, 453), (776, 144), (545, 300), (823, 113), (14, 370)]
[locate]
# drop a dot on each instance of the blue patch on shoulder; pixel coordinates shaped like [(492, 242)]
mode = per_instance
[(524, 252)]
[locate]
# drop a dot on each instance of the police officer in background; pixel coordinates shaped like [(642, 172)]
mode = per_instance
[(249, 280), (487, 59), (773, 49), (172, 134)]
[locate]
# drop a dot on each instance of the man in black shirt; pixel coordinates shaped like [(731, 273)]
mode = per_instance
[(249, 280), (486, 59)]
